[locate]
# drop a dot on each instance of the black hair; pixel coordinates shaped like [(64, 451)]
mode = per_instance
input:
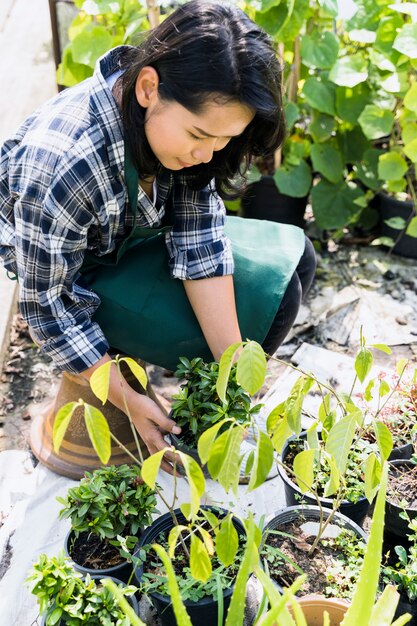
[(204, 49)]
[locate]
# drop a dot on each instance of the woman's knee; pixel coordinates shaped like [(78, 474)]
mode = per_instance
[(306, 267)]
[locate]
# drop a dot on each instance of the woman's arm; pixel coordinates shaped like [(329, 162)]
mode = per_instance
[(149, 420), (213, 302)]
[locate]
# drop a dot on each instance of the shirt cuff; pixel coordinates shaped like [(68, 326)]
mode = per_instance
[(206, 261), (77, 349)]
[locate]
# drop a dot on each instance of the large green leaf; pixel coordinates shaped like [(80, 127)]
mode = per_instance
[(100, 380), (264, 456), (61, 423), (137, 370), (273, 20), (367, 169), (384, 610), (392, 166), (294, 181), (280, 431), (349, 71), (150, 467), (224, 459), (412, 227), (334, 204), (70, 73), (385, 35), (181, 615), (351, 101), (372, 476), (304, 469), (98, 432), (227, 541), (292, 114), (361, 608), (225, 365), (339, 440), (363, 363), (406, 41), (206, 439), (196, 480), (327, 160), (410, 150), (320, 94), (376, 122), (200, 563), (251, 367), (91, 44), (294, 403), (319, 49), (333, 484), (383, 438), (321, 126)]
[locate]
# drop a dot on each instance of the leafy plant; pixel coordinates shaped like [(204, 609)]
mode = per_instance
[(64, 596), (404, 572), (110, 501), (197, 405)]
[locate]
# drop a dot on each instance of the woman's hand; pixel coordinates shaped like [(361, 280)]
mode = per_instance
[(152, 425)]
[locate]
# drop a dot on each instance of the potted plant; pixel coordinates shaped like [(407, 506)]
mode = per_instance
[(295, 543), (205, 582), (401, 497), (197, 406), (401, 570), (108, 509), (66, 597)]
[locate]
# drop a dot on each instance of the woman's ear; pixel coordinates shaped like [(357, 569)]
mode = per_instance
[(146, 88)]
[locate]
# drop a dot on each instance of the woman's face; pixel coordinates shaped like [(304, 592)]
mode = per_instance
[(179, 138)]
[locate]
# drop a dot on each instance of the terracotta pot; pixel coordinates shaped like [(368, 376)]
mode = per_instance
[(76, 454)]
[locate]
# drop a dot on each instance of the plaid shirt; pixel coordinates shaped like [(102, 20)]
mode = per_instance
[(62, 192)]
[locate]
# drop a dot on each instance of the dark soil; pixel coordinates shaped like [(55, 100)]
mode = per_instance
[(402, 485), (295, 547), (91, 551)]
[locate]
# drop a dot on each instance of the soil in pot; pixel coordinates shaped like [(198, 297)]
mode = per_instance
[(333, 567), (401, 495), (200, 600), (355, 506), (93, 555)]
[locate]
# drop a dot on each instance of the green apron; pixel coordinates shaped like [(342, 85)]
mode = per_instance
[(145, 313)]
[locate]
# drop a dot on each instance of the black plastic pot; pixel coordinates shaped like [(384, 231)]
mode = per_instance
[(263, 201), (396, 528), (205, 610), (131, 599), (311, 513), (122, 571), (402, 453), (355, 511), (192, 452), (388, 208)]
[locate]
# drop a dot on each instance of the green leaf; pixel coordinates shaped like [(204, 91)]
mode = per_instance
[(363, 363), (304, 469), (368, 391), (264, 456), (384, 439), (173, 536), (180, 612), (397, 223), (251, 367), (382, 347), (292, 114), (372, 476), (320, 49), (225, 365), (280, 432), (333, 484), (406, 41), (385, 36), (384, 388), (90, 44), (100, 380), (70, 73), (134, 620), (376, 122), (334, 204), (205, 440), (349, 71), (320, 95), (351, 101), (321, 127), (224, 459), (392, 166), (410, 150), (273, 20), (367, 169), (137, 370), (409, 8), (294, 180), (327, 160), (363, 599), (400, 366), (412, 227), (294, 402), (410, 98), (61, 423), (200, 563), (227, 541), (150, 467), (339, 441), (384, 610), (196, 480), (98, 432)]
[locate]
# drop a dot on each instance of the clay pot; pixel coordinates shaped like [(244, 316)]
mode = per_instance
[(76, 454), (315, 605)]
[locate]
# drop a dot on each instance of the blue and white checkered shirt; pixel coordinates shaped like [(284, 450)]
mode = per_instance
[(62, 192)]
